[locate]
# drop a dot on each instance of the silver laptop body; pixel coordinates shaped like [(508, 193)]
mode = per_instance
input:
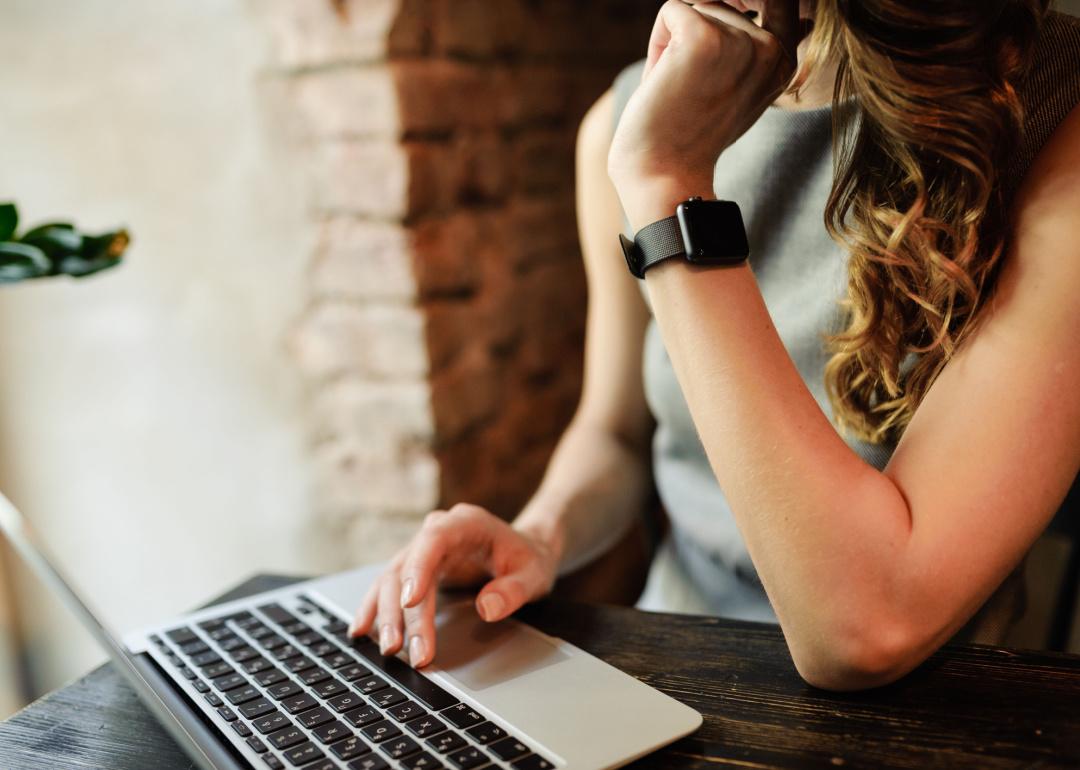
[(273, 681)]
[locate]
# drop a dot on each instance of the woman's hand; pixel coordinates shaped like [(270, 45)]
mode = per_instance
[(709, 75), (461, 546)]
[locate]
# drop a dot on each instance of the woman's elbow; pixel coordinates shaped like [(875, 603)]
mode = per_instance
[(871, 655)]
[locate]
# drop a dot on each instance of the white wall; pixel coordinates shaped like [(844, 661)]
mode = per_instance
[(150, 421)]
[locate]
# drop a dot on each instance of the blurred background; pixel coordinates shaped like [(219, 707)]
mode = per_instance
[(354, 290)]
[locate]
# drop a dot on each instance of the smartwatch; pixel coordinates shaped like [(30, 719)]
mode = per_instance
[(701, 232)]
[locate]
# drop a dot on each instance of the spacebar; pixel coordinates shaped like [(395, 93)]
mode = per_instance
[(429, 693)]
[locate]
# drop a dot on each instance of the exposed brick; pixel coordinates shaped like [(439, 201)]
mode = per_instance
[(543, 163), (388, 415), (363, 259), (447, 252), (545, 230), (373, 536), (371, 178), (351, 476), (344, 103), (477, 28), (382, 341), (465, 395), (443, 96), (310, 33), (451, 327)]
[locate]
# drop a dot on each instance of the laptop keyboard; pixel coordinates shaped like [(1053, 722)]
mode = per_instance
[(301, 693)]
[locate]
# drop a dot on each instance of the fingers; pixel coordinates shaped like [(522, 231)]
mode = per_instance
[(419, 574), (420, 631), (365, 613), (505, 595), (389, 620)]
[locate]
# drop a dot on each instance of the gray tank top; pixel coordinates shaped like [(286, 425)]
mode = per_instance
[(780, 173)]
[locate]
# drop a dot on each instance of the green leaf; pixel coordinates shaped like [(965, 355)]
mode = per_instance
[(46, 226), (56, 242), (78, 267), (18, 261), (9, 220)]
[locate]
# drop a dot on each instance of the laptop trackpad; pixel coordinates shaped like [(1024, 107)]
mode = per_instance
[(479, 655)]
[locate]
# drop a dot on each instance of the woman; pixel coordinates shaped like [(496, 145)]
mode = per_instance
[(872, 473)]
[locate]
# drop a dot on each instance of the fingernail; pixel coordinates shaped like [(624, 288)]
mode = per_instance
[(352, 629), (492, 605), (386, 639), (406, 591), (416, 650)]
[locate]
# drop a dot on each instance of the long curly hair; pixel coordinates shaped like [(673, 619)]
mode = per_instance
[(926, 115)]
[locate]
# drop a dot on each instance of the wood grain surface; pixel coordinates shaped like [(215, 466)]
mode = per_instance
[(967, 707)]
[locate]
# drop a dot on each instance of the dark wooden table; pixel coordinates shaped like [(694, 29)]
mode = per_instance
[(968, 707)]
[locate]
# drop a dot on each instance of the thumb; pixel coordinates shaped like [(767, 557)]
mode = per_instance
[(506, 594)]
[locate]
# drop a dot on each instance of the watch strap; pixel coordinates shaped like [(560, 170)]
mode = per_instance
[(654, 243)]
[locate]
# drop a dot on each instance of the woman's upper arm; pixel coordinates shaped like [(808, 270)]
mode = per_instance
[(613, 394), (995, 445)]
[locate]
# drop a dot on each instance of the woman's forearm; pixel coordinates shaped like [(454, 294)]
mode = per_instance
[(595, 487)]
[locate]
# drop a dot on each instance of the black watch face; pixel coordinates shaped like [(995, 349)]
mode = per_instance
[(713, 231)]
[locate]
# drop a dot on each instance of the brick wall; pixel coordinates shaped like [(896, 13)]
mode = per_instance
[(443, 337)]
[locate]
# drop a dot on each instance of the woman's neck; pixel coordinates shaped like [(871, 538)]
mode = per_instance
[(816, 92)]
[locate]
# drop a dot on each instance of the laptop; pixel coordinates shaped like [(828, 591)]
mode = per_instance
[(273, 681)]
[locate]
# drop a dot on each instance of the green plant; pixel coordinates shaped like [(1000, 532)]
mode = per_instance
[(54, 248)]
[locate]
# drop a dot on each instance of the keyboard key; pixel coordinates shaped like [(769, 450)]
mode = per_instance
[(255, 665), (315, 717), (181, 635), (446, 742), (214, 670), (226, 713), (422, 761), (362, 716), (230, 682), (349, 749), (467, 758), (313, 675), (242, 695), (309, 638), (269, 677), (289, 736), (399, 747), (337, 660), (272, 641), (298, 664), (221, 633), (276, 613), (335, 627), (243, 654), (195, 647), (462, 716), (205, 658), (425, 690), (302, 754), (213, 699), (272, 762), (201, 686), (352, 672), (532, 762), (260, 632), (295, 627), (256, 708), (331, 731), (212, 624), (241, 729), (370, 684), (286, 652), (268, 723), (329, 688), (299, 703), (508, 748), (231, 643), (345, 701), (323, 647), (370, 762), (403, 712), (422, 727), (326, 764), (256, 744), (243, 619), (283, 689), (380, 731), (486, 732), (388, 698)]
